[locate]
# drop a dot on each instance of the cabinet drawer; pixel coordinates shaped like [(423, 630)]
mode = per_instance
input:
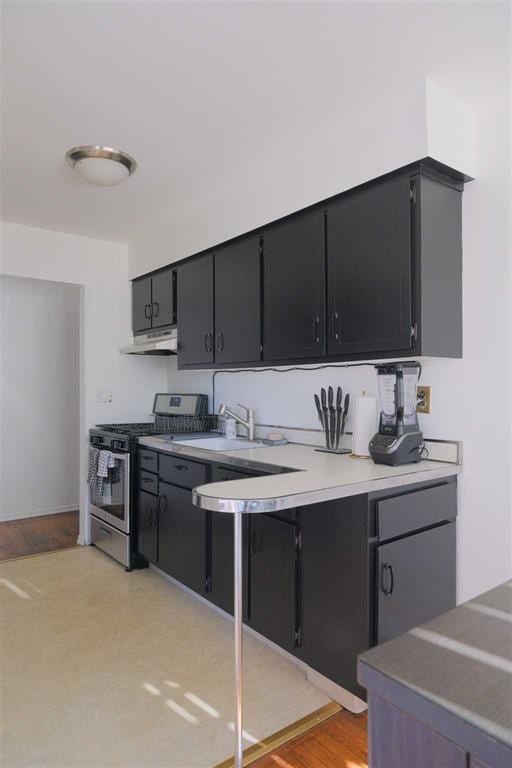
[(148, 482), (178, 471), (220, 474), (148, 460), (411, 511)]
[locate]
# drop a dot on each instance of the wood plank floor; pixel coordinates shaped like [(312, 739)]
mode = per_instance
[(36, 535), (340, 742)]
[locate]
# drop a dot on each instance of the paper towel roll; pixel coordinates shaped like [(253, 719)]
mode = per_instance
[(365, 425)]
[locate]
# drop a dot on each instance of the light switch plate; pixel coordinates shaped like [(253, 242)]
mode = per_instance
[(104, 395), (423, 399)]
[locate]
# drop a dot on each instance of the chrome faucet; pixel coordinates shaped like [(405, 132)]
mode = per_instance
[(248, 422)]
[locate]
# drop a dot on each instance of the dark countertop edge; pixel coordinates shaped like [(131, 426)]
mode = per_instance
[(487, 747)]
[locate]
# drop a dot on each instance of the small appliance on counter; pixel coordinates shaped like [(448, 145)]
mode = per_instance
[(399, 439), (112, 476)]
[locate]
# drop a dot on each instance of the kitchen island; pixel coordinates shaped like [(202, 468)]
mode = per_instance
[(441, 694)]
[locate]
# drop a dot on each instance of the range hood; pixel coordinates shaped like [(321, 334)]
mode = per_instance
[(158, 343)]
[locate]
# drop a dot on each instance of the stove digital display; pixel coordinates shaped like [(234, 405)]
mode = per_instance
[(175, 401)]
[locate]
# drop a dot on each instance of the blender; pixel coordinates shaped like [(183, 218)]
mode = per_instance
[(399, 439)]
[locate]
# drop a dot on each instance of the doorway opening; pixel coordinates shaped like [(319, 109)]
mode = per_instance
[(39, 416)]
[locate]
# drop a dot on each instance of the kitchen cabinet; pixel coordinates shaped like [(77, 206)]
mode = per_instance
[(415, 580), (181, 537), (237, 302), (294, 289), (274, 546), (221, 560), (369, 263), (326, 581), (141, 305), (195, 312), (147, 526), (154, 301)]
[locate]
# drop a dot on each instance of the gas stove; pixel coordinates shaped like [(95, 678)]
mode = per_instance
[(112, 499)]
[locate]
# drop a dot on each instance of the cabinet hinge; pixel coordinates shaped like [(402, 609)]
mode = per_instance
[(297, 636), (412, 193), (414, 331)]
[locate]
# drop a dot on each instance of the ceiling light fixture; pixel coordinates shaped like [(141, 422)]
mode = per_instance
[(102, 166)]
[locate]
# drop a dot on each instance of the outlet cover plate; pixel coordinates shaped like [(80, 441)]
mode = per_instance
[(423, 399)]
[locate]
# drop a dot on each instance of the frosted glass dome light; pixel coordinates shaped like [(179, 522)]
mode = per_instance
[(102, 166)]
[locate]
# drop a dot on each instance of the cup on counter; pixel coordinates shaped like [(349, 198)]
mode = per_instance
[(230, 429)]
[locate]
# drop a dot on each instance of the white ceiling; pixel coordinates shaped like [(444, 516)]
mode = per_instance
[(194, 91), (190, 90)]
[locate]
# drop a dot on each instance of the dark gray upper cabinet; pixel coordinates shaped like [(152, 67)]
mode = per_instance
[(195, 312), (154, 301), (374, 272), (141, 305), (294, 289), (163, 298), (237, 302), (369, 270)]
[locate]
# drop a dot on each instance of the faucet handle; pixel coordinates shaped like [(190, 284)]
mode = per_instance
[(248, 411)]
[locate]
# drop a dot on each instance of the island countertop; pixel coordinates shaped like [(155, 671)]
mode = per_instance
[(454, 674), (298, 475)]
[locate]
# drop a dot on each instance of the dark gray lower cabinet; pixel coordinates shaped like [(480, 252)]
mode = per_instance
[(147, 526), (182, 537), (416, 580), (273, 579), (336, 589)]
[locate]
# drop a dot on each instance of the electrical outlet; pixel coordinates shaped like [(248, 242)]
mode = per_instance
[(423, 399)]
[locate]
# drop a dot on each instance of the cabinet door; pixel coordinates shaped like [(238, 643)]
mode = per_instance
[(163, 298), (237, 302), (273, 579), (195, 312), (181, 537), (415, 580), (141, 305), (369, 270), (294, 289), (147, 526)]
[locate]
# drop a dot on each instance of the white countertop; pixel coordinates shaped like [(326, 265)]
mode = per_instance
[(317, 476)]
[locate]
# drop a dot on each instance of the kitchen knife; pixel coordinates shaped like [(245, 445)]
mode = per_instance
[(339, 396), (319, 409), (346, 406), (332, 418), (323, 395)]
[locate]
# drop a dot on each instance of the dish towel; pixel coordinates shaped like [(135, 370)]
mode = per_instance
[(100, 464)]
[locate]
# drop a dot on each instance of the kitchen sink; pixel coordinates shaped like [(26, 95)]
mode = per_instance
[(220, 444)]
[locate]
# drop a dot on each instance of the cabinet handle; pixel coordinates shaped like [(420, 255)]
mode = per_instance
[(147, 311), (387, 588), (208, 342), (157, 312), (181, 467), (147, 480), (334, 326), (105, 530), (316, 329), (159, 508), (220, 342)]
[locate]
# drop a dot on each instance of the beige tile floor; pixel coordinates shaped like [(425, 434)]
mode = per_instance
[(107, 669)]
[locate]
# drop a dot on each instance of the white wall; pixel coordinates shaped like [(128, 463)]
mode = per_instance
[(365, 126), (101, 270), (39, 397)]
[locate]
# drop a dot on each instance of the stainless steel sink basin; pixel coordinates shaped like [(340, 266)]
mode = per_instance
[(220, 444)]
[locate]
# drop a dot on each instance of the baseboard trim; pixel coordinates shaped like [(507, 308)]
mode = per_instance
[(347, 700), (41, 512), (283, 736)]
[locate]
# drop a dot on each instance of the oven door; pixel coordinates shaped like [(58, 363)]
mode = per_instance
[(110, 500)]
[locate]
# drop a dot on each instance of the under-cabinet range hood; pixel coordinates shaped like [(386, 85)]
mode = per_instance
[(158, 343)]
